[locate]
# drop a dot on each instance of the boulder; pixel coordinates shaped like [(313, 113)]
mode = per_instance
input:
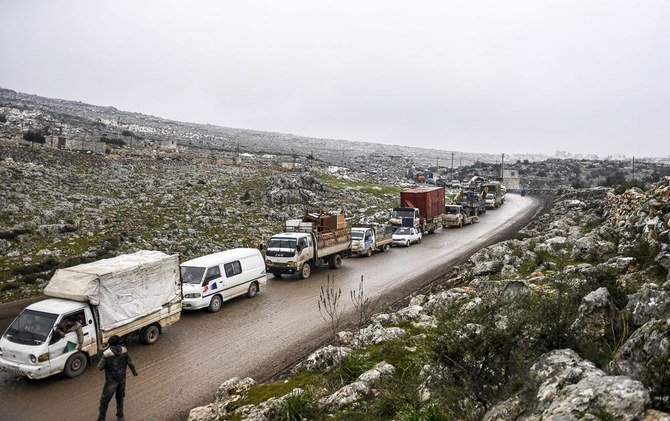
[(648, 303), (600, 397), (645, 357), (357, 390), (597, 316), (326, 358)]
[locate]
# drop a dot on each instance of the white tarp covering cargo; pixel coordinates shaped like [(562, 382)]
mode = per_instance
[(123, 288)]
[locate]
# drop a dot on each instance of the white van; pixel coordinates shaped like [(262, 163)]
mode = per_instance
[(210, 280)]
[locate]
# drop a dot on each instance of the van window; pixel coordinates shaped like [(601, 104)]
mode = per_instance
[(233, 268), (213, 272)]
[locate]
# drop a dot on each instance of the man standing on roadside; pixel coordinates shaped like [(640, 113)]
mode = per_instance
[(114, 361)]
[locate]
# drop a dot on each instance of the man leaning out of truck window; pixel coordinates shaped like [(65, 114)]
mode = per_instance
[(70, 324)]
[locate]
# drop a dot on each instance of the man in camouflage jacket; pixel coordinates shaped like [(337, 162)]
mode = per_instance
[(114, 361)]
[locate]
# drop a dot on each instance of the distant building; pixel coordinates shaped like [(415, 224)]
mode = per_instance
[(511, 179), (62, 142)]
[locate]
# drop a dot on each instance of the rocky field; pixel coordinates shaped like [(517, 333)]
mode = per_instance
[(570, 320), (62, 208)]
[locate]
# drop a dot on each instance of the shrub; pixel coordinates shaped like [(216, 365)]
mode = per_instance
[(113, 141), (352, 366), (34, 137), (296, 407)]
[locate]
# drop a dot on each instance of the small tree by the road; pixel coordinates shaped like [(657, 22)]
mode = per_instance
[(363, 305), (330, 306)]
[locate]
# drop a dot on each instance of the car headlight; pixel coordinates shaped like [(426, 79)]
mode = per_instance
[(290, 263), (33, 359), (268, 262), (192, 295), (44, 357)]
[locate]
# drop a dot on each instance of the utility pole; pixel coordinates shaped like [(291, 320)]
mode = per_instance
[(502, 167), (633, 167), (452, 165)]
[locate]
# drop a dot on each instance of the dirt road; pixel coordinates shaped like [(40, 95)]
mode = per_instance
[(252, 337)]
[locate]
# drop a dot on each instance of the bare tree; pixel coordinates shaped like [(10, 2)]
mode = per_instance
[(363, 305), (330, 306)]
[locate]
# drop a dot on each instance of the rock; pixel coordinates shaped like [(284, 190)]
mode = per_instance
[(203, 413), (648, 303), (326, 358), (596, 315), (598, 397), (490, 267), (357, 390), (231, 392), (645, 357)]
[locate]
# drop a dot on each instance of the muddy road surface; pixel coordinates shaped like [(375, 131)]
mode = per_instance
[(256, 337)]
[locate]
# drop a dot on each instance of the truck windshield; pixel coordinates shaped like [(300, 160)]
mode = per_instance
[(453, 210), (403, 231), (403, 213), (356, 235), (31, 327), (282, 243), (191, 275)]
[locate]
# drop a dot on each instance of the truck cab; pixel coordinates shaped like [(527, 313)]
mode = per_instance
[(362, 241), (31, 347), (405, 217), (287, 253)]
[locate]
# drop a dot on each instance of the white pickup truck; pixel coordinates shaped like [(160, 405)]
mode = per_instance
[(133, 293)]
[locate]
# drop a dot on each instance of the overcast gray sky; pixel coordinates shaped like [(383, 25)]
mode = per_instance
[(497, 76)]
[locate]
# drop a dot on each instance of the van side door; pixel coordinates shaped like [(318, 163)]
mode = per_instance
[(235, 283)]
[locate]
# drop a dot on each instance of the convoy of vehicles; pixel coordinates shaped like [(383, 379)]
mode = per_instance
[(210, 280), (308, 243), (406, 236), (137, 293), (143, 292), (366, 239)]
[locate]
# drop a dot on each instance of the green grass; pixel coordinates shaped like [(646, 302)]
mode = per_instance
[(378, 190)]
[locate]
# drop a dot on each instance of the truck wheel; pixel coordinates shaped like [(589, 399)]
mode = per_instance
[(253, 289), (407, 243), (75, 365), (335, 261), (305, 271), (418, 241), (384, 248), (460, 224), (149, 334), (368, 253), (215, 304)]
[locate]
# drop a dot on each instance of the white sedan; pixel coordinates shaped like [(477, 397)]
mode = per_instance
[(405, 236)]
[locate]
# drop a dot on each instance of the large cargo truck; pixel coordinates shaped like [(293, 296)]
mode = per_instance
[(367, 238), (308, 243), (420, 208), (457, 216), (137, 293)]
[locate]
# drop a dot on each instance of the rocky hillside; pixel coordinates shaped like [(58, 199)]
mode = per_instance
[(60, 208), (570, 320), (74, 119)]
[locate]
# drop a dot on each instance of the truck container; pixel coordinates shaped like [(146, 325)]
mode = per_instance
[(137, 293), (425, 202), (309, 243), (367, 238)]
